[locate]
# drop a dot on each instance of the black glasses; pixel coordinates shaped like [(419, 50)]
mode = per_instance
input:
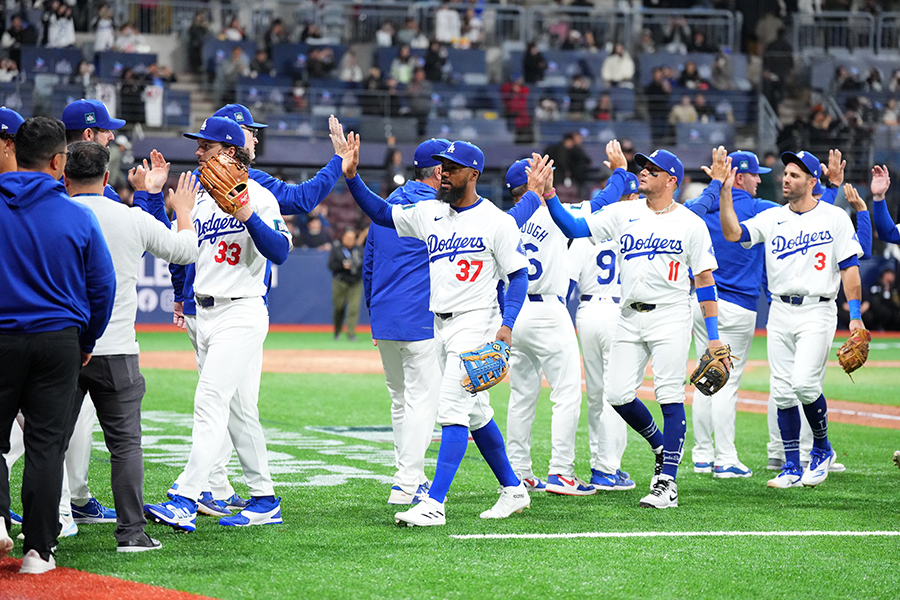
[(654, 172), (253, 132)]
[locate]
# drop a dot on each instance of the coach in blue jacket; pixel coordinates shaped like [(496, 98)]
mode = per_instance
[(58, 286), (397, 290)]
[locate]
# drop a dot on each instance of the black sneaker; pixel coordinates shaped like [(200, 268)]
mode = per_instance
[(139, 544), (657, 468)]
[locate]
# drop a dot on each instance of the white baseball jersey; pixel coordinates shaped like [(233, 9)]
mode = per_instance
[(594, 265), (468, 250), (803, 250), (229, 264), (545, 247), (655, 251)]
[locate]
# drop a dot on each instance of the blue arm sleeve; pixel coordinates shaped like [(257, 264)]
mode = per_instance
[(745, 234), (707, 201), (571, 226), (178, 277), (853, 261), (829, 195), (515, 296), (371, 203), (154, 205), (864, 233), (110, 192), (270, 243), (368, 260), (884, 224), (501, 297), (100, 282), (524, 208), (300, 198), (615, 187)]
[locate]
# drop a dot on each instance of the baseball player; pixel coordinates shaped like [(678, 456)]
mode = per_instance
[(594, 268), (220, 497), (113, 376), (471, 245), (396, 286), (659, 240), (544, 343), (884, 224), (235, 254), (810, 249)]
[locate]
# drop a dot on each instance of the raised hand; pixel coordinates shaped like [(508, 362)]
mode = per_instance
[(137, 177), (540, 173), (336, 133), (835, 169), (853, 198), (615, 157), (158, 173), (721, 165), (881, 181), (729, 178), (182, 197), (351, 160)]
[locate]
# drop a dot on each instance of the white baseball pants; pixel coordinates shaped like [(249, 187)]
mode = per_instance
[(230, 338), (543, 341), (597, 322), (460, 333), (714, 416), (409, 371)]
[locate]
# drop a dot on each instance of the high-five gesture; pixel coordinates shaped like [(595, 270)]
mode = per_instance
[(158, 174), (540, 174), (351, 158), (720, 166), (853, 198), (182, 197), (881, 181), (615, 157), (336, 133), (834, 171)]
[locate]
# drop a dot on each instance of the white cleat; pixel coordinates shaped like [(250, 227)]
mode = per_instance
[(663, 495), (426, 513), (788, 478), (33, 564), (819, 463), (513, 499)]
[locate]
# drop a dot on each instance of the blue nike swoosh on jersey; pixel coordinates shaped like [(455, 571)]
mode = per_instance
[(782, 222), (633, 220), (438, 218)]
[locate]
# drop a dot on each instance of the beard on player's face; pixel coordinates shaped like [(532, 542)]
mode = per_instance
[(451, 195)]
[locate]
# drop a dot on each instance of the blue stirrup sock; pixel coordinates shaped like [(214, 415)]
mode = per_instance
[(789, 425), (490, 443), (637, 416), (454, 441), (817, 415), (674, 432)]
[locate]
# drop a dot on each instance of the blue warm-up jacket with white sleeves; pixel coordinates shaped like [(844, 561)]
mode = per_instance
[(395, 276), (293, 199), (56, 270)]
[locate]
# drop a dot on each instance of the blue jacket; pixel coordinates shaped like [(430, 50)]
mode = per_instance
[(293, 199), (395, 276), (56, 270), (740, 272)]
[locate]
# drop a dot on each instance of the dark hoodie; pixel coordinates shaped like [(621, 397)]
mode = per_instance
[(55, 268)]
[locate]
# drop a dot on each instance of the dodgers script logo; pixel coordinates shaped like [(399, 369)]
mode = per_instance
[(216, 226), (785, 247), (648, 247), (450, 248)]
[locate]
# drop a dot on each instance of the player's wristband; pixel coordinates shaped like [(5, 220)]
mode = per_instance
[(549, 194), (707, 294), (712, 327), (855, 310)]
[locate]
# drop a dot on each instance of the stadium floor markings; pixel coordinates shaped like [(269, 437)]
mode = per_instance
[(672, 534)]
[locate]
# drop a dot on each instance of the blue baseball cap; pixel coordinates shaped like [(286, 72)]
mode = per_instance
[(631, 184), (665, 160), (819, 189), (516, 174), (427, 149), (219, 129), (747, 162), (805, 160), (10, 120), (84, 114), (240, 114), (463, 153)]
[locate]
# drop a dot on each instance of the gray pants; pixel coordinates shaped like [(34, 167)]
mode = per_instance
[(346, 298), (117, 388)]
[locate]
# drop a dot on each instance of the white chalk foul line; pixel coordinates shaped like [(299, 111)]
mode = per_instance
[(653, 534)]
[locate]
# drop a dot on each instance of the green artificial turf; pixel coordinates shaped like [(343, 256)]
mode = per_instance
[(340, 541)]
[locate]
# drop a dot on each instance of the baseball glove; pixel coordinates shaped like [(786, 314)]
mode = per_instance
[(711, 373), (226, 181), (485, 366), (853, 354)]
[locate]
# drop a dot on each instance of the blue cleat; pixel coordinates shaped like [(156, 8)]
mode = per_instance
[(618, 481), (179, 513), (93, 512), (534, 484), (557, 484), (214, 508), (731, 471), (15, 518), (235, 502), (703, 467), (264, 510)]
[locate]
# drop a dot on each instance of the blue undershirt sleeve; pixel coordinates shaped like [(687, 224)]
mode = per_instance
[(269, 242), (177, 273), (615, 188), (745, 234), (864, 233), (371, 203), (571, 226), (368, 261), (849, 262), (703, 203), (829, 195), (300, 198), (884, 224), (515, 296), (524, 208)]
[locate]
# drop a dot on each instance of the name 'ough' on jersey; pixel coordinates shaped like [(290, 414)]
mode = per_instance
[(545, 248), (468, 250)]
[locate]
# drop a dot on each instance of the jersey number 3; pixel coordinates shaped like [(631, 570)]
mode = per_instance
[(820, 264), (465, 269), (230, 253)]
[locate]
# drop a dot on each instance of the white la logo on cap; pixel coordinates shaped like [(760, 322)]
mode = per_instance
[(451, 148), (801, 154), (202, 127), (227, 137), (475, 162), (654, 153)]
